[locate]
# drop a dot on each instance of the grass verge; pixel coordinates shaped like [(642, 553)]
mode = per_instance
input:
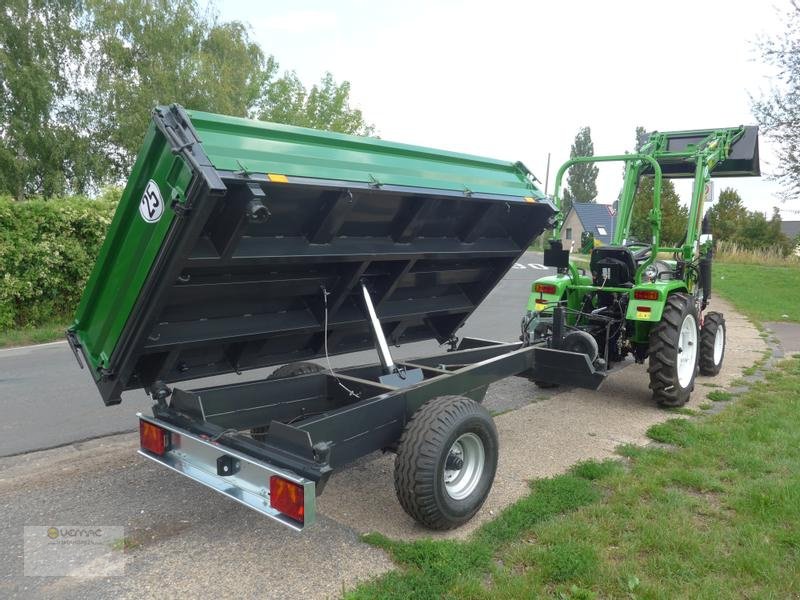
[(741, 284), (32, 335), (718, 517)]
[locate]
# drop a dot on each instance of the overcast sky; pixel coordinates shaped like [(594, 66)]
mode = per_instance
[(515, 80)]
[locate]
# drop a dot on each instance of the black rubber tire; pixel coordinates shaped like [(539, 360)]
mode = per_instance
[(712, 322), (290, 370), (663, 352), (422, 454)]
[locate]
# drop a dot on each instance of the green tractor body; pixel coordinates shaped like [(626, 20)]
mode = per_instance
[(639, 297)]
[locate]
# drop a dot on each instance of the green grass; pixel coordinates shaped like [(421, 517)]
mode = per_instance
[(718, 517), (719, 396), (682, 410), (32, 335), (763, 293), (759, 364)]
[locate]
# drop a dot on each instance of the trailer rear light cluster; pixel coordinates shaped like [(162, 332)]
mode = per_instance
[(544, 288), (153, 438), (645, 294), (287, 497)]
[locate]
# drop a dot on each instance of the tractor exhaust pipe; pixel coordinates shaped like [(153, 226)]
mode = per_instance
[(705, 265)]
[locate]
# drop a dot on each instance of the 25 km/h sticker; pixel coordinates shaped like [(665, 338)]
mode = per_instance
[(151, 206)]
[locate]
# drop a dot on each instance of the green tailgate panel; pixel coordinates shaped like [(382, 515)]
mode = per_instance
[(229, 229), (235, 144)]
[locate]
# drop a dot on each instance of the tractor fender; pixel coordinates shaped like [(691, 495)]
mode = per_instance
[(556, 285), (650, 311)]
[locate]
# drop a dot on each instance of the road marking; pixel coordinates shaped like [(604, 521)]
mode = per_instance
[(534, 266), (33, 347)]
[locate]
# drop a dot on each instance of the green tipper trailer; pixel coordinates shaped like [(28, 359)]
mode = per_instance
[(241, 244)]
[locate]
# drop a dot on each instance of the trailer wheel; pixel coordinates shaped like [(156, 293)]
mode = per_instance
[(712, 343), (446, 462), (291, 370), (673, 351)]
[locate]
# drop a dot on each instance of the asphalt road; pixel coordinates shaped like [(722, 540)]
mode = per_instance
[(47, 401)]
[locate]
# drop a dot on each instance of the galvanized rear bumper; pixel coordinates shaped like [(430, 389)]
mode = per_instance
[(196, 457)]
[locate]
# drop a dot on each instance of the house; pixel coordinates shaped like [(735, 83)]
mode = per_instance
[(790, 229), (598, 219)]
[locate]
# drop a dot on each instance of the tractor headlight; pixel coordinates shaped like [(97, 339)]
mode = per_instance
[(651, 272)]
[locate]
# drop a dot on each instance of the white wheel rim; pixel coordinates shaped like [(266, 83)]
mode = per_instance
[(464, 466), (719, 344), (687, 351)]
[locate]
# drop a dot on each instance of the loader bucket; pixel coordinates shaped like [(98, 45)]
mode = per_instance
[(235, 241), (743, 160)]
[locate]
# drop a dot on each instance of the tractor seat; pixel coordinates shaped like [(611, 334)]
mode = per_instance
[(612, 265)]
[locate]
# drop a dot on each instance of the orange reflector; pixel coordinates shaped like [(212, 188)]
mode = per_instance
[(544, 288), (645, 295), (530, 199), (287, 497), (277, 178), (643, 309), (152, 438)]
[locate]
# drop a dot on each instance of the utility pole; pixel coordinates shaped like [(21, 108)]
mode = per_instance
[(547, 175)]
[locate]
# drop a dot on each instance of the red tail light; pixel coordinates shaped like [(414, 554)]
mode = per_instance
[(152, 438), (544, 288), (645, 294), (287, 497)]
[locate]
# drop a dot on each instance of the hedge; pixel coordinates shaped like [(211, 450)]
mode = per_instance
[(47, 250)]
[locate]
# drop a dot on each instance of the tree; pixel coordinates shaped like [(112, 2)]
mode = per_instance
[(581, 178), (324, 106), (726, 216), (79, 79), (674, 216), (640, 139), (150, 52), (756, 232), (41, 152), (778, 113)]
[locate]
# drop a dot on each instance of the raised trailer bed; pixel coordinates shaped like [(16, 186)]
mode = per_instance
[(241, 244)]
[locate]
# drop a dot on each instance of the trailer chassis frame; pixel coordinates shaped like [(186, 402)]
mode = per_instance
[(317, 427)]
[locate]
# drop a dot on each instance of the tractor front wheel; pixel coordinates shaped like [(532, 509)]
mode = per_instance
[(712, 343), (673, 352)]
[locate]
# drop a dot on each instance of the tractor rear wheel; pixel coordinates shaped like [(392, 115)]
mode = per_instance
[(712, 343), (446, 462), (291, 370), (673, 352)]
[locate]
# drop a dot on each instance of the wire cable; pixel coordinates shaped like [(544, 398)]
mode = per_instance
[(325, 294)]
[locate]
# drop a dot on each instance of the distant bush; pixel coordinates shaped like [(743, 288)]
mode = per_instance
[(47, 251), (733, 252)]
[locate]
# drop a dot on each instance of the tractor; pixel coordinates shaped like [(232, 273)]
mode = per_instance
[(641, 298)]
